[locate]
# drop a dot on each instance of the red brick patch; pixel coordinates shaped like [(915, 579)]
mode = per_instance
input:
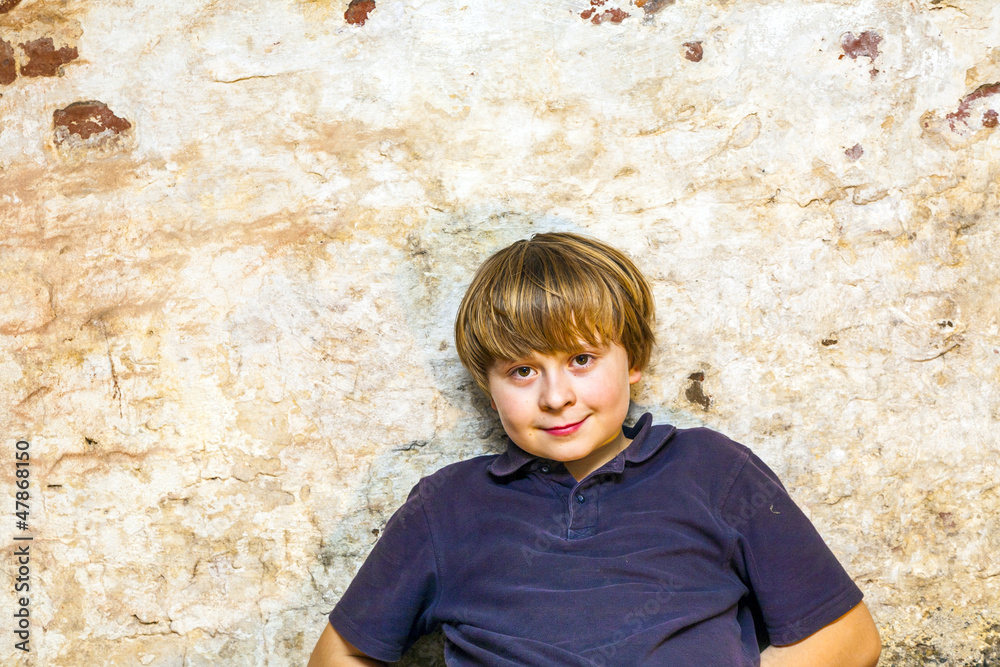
[(44, 59), (85, 119)]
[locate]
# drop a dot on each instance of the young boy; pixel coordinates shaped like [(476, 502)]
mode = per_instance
[(589, 542)]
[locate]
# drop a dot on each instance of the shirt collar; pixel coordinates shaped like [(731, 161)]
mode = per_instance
[(646, 441)]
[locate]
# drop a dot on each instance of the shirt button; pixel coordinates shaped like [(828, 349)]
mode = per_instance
[(580, 498), (545, 467)]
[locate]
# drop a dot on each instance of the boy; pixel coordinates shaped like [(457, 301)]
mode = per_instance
[(588, 542)]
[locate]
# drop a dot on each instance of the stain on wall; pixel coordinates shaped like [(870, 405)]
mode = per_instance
[(864, 45), (695, 392), (653, 6), (855, 152), (963, 113), (694, 51), (596, 15)]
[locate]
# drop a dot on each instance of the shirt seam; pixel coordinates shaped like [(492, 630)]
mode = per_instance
[(744, 457), (437, 564), (730, 483), (385, 652)]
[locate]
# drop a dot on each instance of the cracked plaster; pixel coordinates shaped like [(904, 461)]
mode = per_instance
[(225, 312)]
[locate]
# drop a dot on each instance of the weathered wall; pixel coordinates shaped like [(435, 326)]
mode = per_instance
[(233, 236)]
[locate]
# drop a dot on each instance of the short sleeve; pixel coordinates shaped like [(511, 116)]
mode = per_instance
[(798, 584), (389, 603)]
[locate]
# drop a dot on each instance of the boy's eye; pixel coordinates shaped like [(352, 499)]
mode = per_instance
[(582, 359), (522, 371)]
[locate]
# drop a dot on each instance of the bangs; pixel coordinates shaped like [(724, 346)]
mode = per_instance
[(553, 293), (544, 307)]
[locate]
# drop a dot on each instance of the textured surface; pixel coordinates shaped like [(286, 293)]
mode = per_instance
[(233, 236)]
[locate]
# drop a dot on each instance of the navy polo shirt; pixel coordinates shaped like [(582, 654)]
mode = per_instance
[(685, 549)]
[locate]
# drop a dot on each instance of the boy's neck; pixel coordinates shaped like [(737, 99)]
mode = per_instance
[(581, 468)]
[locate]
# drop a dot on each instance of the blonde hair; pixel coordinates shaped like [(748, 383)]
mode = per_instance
[(548, 294)]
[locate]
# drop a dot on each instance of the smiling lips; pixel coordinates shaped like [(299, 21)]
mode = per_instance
[(566, 429)]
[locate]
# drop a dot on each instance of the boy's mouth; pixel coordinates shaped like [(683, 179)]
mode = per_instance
[(565, 429)]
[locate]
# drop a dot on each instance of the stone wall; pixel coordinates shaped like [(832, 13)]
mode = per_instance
[(233, 236)]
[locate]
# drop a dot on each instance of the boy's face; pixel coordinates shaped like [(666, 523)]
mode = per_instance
[(567, 406)]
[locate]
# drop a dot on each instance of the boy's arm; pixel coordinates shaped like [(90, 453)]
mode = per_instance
[(850, 641), (332, 650)]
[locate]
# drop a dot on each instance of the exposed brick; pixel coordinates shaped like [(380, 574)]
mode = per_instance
[(44, 59), (8, 68), (85, 119)]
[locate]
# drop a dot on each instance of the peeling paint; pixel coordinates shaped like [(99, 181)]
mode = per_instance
[(613, 14), (864, 45), (44, 59), (87, 130), (86, 119), (855, 152), (693, 51), (653, 6), (962, 114), (358, 11), (8, 67)]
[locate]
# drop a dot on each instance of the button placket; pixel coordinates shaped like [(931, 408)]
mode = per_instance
[(583, 510)]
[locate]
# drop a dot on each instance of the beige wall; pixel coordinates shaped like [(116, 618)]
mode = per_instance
[(227, 284)]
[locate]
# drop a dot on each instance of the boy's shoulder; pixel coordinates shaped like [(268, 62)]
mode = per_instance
[(467, 471), (665, 445), (702, 445), (700, 460), (704, 440)]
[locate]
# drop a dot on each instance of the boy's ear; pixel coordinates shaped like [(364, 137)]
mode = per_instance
[(493, 404), (634, 375)]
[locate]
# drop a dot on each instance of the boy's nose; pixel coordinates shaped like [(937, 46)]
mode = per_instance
[(557, 392)]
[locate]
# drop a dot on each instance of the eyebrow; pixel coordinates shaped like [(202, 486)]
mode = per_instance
[(583, 347)]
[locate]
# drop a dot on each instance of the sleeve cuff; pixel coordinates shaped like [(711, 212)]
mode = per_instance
[(819, 619), (370, 646)]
